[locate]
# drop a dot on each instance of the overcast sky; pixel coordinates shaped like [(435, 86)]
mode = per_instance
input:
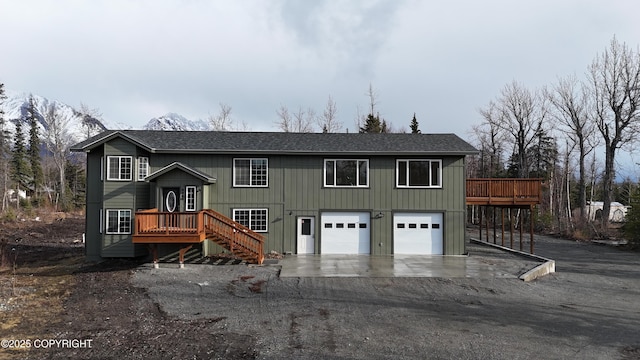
[(134, 60)]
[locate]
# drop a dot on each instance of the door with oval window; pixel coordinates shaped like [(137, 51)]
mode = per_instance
[(171, 199), (170, 203)]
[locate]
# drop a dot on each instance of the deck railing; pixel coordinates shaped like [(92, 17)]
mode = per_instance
[(152, 221), (503, 191), (240, 237), (151, 224)]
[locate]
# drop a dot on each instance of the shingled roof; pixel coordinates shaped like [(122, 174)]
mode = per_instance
[(285, 143)]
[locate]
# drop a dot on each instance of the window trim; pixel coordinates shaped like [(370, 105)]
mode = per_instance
[(186, 198), (334, 185), (235, 172), (139, 164), (120, 218), (120, 158), (251, 210), (408, 186)]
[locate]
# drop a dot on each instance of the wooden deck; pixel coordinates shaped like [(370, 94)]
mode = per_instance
[(504, 192), (153, 227)]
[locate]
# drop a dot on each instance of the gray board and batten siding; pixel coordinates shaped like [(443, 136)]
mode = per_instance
[(295, 182)]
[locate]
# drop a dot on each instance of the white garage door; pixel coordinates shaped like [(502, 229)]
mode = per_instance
[(345, 233), (417, 234)]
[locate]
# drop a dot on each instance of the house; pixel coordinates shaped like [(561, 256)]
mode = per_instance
[(617, 213), (306, 193)]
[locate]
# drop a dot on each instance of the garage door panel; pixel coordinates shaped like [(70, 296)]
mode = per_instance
[(345, 233), (417, 233)]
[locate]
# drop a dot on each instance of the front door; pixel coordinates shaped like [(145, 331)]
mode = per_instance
[(306, 231), (170, 199)]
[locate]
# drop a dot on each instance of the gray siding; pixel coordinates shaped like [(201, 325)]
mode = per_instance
[(93, 235)]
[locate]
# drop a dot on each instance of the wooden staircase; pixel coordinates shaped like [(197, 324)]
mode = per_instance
[(153, 227)]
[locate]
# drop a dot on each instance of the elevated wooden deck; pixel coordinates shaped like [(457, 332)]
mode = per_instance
[(153, 227), (504, 192)]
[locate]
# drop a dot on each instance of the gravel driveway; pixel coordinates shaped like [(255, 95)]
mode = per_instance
[(588, 309)]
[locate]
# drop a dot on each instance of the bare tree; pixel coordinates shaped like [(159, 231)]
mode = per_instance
[(300, 121), (303, 120), (222, 120), (285, 123), (491, 138), (522, 115), (58, 142), (570, 100), (5, 150), (373, 99), (614, 77), (328, 122), (90, 120)]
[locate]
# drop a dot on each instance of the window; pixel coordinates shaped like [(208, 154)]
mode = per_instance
[(143, 168), (118, 221), (346, 173), (254, 219), (190, 198), (419, 173), (119, 168), (250, 172)]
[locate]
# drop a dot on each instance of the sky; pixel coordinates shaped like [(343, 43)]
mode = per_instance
[(442, 60)]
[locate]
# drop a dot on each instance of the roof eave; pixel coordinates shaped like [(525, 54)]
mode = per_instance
[(307, 152)]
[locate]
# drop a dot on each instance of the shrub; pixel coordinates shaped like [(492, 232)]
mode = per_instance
[(632, 221)]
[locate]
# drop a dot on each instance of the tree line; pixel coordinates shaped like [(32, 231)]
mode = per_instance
[(554, 133), (308, 120), (37, 169)]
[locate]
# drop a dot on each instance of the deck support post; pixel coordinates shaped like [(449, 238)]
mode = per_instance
[(502, 224), (153, 249), (531, 228), (487, 221), (480, 227), (181, 253), (521, 225), (495, 235), (511, 218)]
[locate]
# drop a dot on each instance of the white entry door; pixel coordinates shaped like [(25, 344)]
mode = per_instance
[(306, 234)]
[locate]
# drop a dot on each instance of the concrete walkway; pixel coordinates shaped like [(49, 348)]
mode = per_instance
[(482, 262)]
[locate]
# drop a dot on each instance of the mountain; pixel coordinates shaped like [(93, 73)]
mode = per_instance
[(176, 122), (76, 127)]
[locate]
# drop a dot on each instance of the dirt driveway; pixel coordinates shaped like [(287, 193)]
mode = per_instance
[(589, 309)]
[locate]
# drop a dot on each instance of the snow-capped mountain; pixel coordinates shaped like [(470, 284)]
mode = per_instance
[(75, 127), (176, 122)]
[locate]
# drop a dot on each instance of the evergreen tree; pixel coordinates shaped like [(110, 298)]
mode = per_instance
[(37, 178), (373, 125), (76, 182), (414, 125), (632, 220), (20, 173), (543, 154)]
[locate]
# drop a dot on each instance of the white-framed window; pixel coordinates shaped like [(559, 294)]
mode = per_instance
[(421, 173), (119, 168), (118, 221), (143, 168), (254, 219), (190, 198), (251, 172), (346, 172)]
